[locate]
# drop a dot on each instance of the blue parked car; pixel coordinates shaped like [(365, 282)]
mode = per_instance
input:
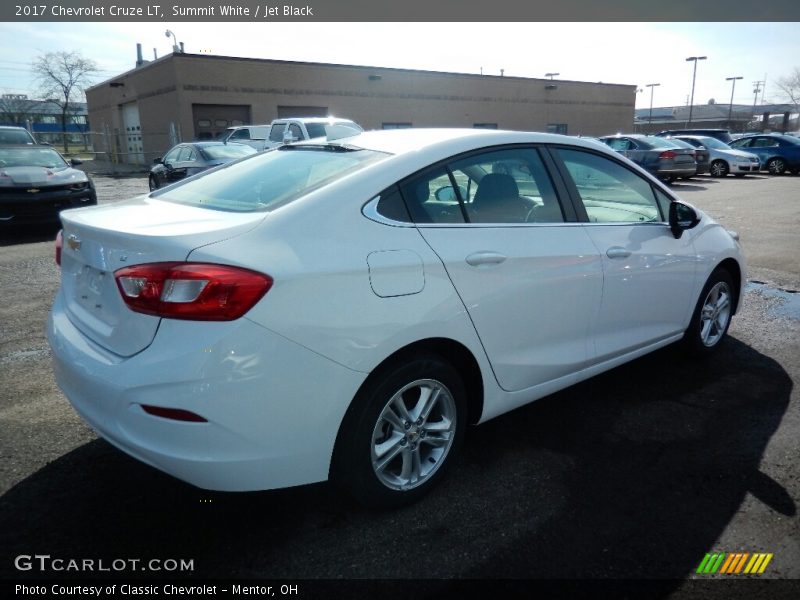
[(778, 153)]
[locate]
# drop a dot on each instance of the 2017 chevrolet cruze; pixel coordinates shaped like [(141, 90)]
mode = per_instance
[(345, 309)]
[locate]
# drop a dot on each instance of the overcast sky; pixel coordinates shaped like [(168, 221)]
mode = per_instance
[(628, 53)]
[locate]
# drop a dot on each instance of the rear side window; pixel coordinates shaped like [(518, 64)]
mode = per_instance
[(316, 130), (266, 181)]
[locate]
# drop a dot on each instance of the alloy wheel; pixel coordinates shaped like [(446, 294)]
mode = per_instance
[(413, 434), (715, 314)]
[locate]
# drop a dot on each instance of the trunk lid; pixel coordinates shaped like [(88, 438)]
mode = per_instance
[(99, 240)]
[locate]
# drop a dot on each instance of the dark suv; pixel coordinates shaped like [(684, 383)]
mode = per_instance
[(16, 136), (723, 135)]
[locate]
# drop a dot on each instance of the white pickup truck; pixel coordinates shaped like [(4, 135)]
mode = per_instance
[(286, 131)]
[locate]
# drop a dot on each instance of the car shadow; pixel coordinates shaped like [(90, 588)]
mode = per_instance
[(632, 474), (11, 236)]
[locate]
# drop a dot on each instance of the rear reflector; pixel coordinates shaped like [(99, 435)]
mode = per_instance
[(59, 245), (176, 414), (193, 291), (667, 154)]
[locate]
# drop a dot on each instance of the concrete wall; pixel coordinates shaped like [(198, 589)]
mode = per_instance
[(167, 88)]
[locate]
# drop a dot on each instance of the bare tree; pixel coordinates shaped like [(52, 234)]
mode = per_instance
[(63, 76), (790, 87), (16, 109)]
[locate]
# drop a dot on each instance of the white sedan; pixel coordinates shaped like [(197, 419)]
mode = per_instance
[(345, 309)]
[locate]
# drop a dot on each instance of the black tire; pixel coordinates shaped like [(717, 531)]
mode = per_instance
[(356, 464), (719, 168), (153, 183), (776, 166), (697, 339)]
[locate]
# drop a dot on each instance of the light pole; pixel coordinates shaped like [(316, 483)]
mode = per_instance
[(652, 87), (176, 49), (693, 59), (733, 87), (551, 75)]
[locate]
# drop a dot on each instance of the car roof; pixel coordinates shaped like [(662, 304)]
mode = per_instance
[(449, 140), (316, 119)]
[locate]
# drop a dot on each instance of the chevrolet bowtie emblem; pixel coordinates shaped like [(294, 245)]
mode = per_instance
[(74, 242), (33, 190)]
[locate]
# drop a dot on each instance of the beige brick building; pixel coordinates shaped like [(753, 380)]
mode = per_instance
[(140, 113)]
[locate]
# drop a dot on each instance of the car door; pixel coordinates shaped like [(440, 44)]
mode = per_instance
[(178, 168), (648, 275), (162, 170), (527, 273)]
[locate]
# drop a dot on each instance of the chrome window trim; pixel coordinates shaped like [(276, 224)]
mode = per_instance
[(370, 210)]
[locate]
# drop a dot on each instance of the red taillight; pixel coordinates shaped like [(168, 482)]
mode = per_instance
[(59, 244), (194, 291), (667, 154), (176, 414)]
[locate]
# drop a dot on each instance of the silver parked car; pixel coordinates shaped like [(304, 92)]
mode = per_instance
[(723, 158)]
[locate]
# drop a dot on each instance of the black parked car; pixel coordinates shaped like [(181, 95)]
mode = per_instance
[(36, 184), (191, 158), (15, 136)]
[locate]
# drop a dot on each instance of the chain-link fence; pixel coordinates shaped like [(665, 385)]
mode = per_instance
[(119, 150)]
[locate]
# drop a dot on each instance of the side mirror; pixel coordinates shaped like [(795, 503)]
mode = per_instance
[(75, 162), (681, 218), (288, 138)]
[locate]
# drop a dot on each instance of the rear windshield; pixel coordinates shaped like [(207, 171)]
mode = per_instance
[(270, 179), (714, 143)]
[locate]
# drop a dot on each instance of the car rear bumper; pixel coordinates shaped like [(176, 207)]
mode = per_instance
[(273, 408), (676, 171)]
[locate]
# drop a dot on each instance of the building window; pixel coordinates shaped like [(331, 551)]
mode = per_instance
[(204, 122), (557, 128), (484, 126), (396, 126)]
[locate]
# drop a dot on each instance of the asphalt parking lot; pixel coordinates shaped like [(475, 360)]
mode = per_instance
[(636, 473)]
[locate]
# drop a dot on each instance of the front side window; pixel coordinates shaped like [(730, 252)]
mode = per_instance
[(184, 155), (609, 192), (295, 132), (764, 143), (172, 155), (271, 179)]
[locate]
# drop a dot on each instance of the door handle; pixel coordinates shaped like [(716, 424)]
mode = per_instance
[(476, 259), (617, 252)]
